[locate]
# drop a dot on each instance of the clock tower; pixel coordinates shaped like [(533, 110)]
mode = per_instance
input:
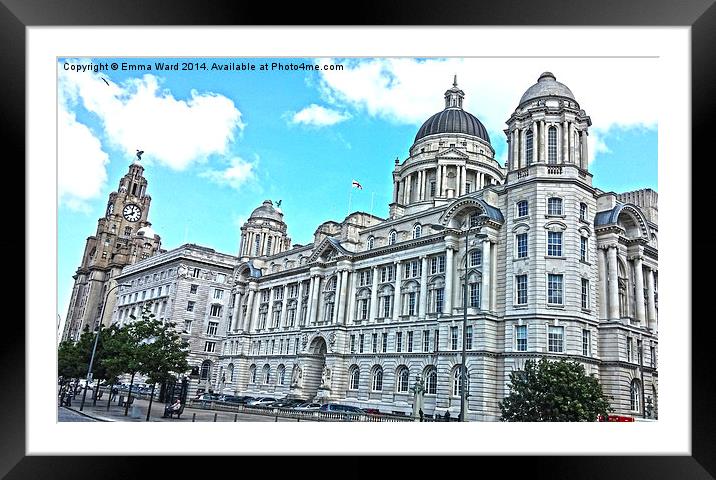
[(124, 236)]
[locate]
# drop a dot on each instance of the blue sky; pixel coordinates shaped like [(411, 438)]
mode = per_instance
[(218, 143)]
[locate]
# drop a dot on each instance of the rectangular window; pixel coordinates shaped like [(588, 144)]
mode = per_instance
[(265, 296), (212, 328), (554, 244), (360, 343), (439, 299), (399, 341), (187, 326), (583, 212), (144, 294), (554, 289), (353, 344), (475, 295), (437, 340), (190, 306), (386, 307), (411, 303), (468, 335), (426, 340), (585, 293), (273, 345), (586, 343), (521, 281), (628, 352), (292, 317), (295, 346), (385, 342), (522, 245), (475, 258), (639, 352), (375, 342), (215, 311), (193, 288), (554, 206), (432, 189), (278, 293), (583, 248), (521, 338), (210, 347), (555, 339), (262, 320), (453, 338), (437, 264), (467, 187), (218, 294), (196, 272), (522, 208), (410, 341), (364, 309)]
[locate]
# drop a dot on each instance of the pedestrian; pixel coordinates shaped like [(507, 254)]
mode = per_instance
[(447, 415), (115, 391), (421, 414)]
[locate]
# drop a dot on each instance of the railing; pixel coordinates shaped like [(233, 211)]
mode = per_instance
[(554, 170), (523, 173)]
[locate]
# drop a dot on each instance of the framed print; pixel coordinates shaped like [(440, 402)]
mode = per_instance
[(234, 153)]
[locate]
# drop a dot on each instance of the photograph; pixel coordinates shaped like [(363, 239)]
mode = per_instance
[(357, 239)]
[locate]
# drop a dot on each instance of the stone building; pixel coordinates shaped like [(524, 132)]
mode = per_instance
[(124, 236), (546, 265)]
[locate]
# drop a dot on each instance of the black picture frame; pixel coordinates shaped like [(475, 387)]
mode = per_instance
[(700, 15)]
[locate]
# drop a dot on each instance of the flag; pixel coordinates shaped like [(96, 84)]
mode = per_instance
[(357, 185)]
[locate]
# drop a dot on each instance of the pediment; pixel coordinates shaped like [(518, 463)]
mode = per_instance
[(452, 153)]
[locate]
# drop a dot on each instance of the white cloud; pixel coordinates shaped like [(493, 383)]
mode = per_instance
[(616, 93), (318, 116), (139, 114), (82, 174), (238, 173)]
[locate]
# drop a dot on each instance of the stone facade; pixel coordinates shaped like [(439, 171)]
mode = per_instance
[(546, 265)]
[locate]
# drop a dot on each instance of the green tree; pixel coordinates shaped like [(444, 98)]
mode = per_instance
[(553, 391)]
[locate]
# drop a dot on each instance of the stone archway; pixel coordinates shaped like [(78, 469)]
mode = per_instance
[(314, 364)]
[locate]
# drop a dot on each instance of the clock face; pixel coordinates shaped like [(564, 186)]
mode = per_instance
[(132, 212)]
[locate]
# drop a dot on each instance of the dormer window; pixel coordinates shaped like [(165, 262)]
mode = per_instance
[(417, 230), (371, 242), (392, 237)]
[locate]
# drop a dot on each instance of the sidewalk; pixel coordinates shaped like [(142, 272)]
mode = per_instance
[(138, 413)]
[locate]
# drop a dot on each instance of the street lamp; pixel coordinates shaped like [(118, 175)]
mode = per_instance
[(463, 369), (96, 338)]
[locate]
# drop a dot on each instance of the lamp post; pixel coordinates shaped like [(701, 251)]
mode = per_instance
[(463, 368), (96, 338)]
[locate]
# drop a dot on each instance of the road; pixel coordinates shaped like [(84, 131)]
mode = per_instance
[(66, 415)]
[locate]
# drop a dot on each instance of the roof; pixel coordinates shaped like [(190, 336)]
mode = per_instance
[(267, 210), (453, 120), (547, 86)]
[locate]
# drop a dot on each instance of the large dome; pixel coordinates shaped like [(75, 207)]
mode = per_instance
[(547, 86), (453, 120), (267, 210)]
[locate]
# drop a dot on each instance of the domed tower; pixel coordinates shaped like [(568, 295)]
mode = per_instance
[(264, 233), (548, 126), (451, 156)]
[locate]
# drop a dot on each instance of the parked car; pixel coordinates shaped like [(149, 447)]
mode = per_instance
[(261, 401), (307, 407), (373, 411), (234, 399), (285, 403), (338, 408)]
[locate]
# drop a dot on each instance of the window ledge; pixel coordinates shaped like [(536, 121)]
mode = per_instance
[(584, 262), (555, 305), (555, 216), (556, 258), (523, 217), (519, 306)]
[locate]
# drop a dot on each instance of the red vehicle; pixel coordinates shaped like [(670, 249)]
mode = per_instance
[(615, 418)]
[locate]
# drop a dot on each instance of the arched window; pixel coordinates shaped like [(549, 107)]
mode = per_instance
[(377, 379), (635, 395), (371, 242), (403, 378), (257, 245), (431, 381), (457, 381), (205, 370), (252, 374), (552, 145), (354, 377), (417, 230), (269, 244), (266, 376), (528, 146), (281, 374), (392, 237), (230, 371)]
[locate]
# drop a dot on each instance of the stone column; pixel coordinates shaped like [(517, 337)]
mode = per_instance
[(515, 149), (602, 266), (651, 304), (523, 148), (486, 274), (341, 300), (639, 300), (585, 158), (264, 241), (299, 301), (535, 142), (439, 181), (510, 165), (336, 296), (543, 142), (249, 319), (374, 296), (396, 296), (408, 188), (613, 283), (423, 306), (565, 143), (351, 297), (447, 297), (313, 300), (235, 314), (444, 180), (493, 276), (395, 191), (269, 320), (284, 307)]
